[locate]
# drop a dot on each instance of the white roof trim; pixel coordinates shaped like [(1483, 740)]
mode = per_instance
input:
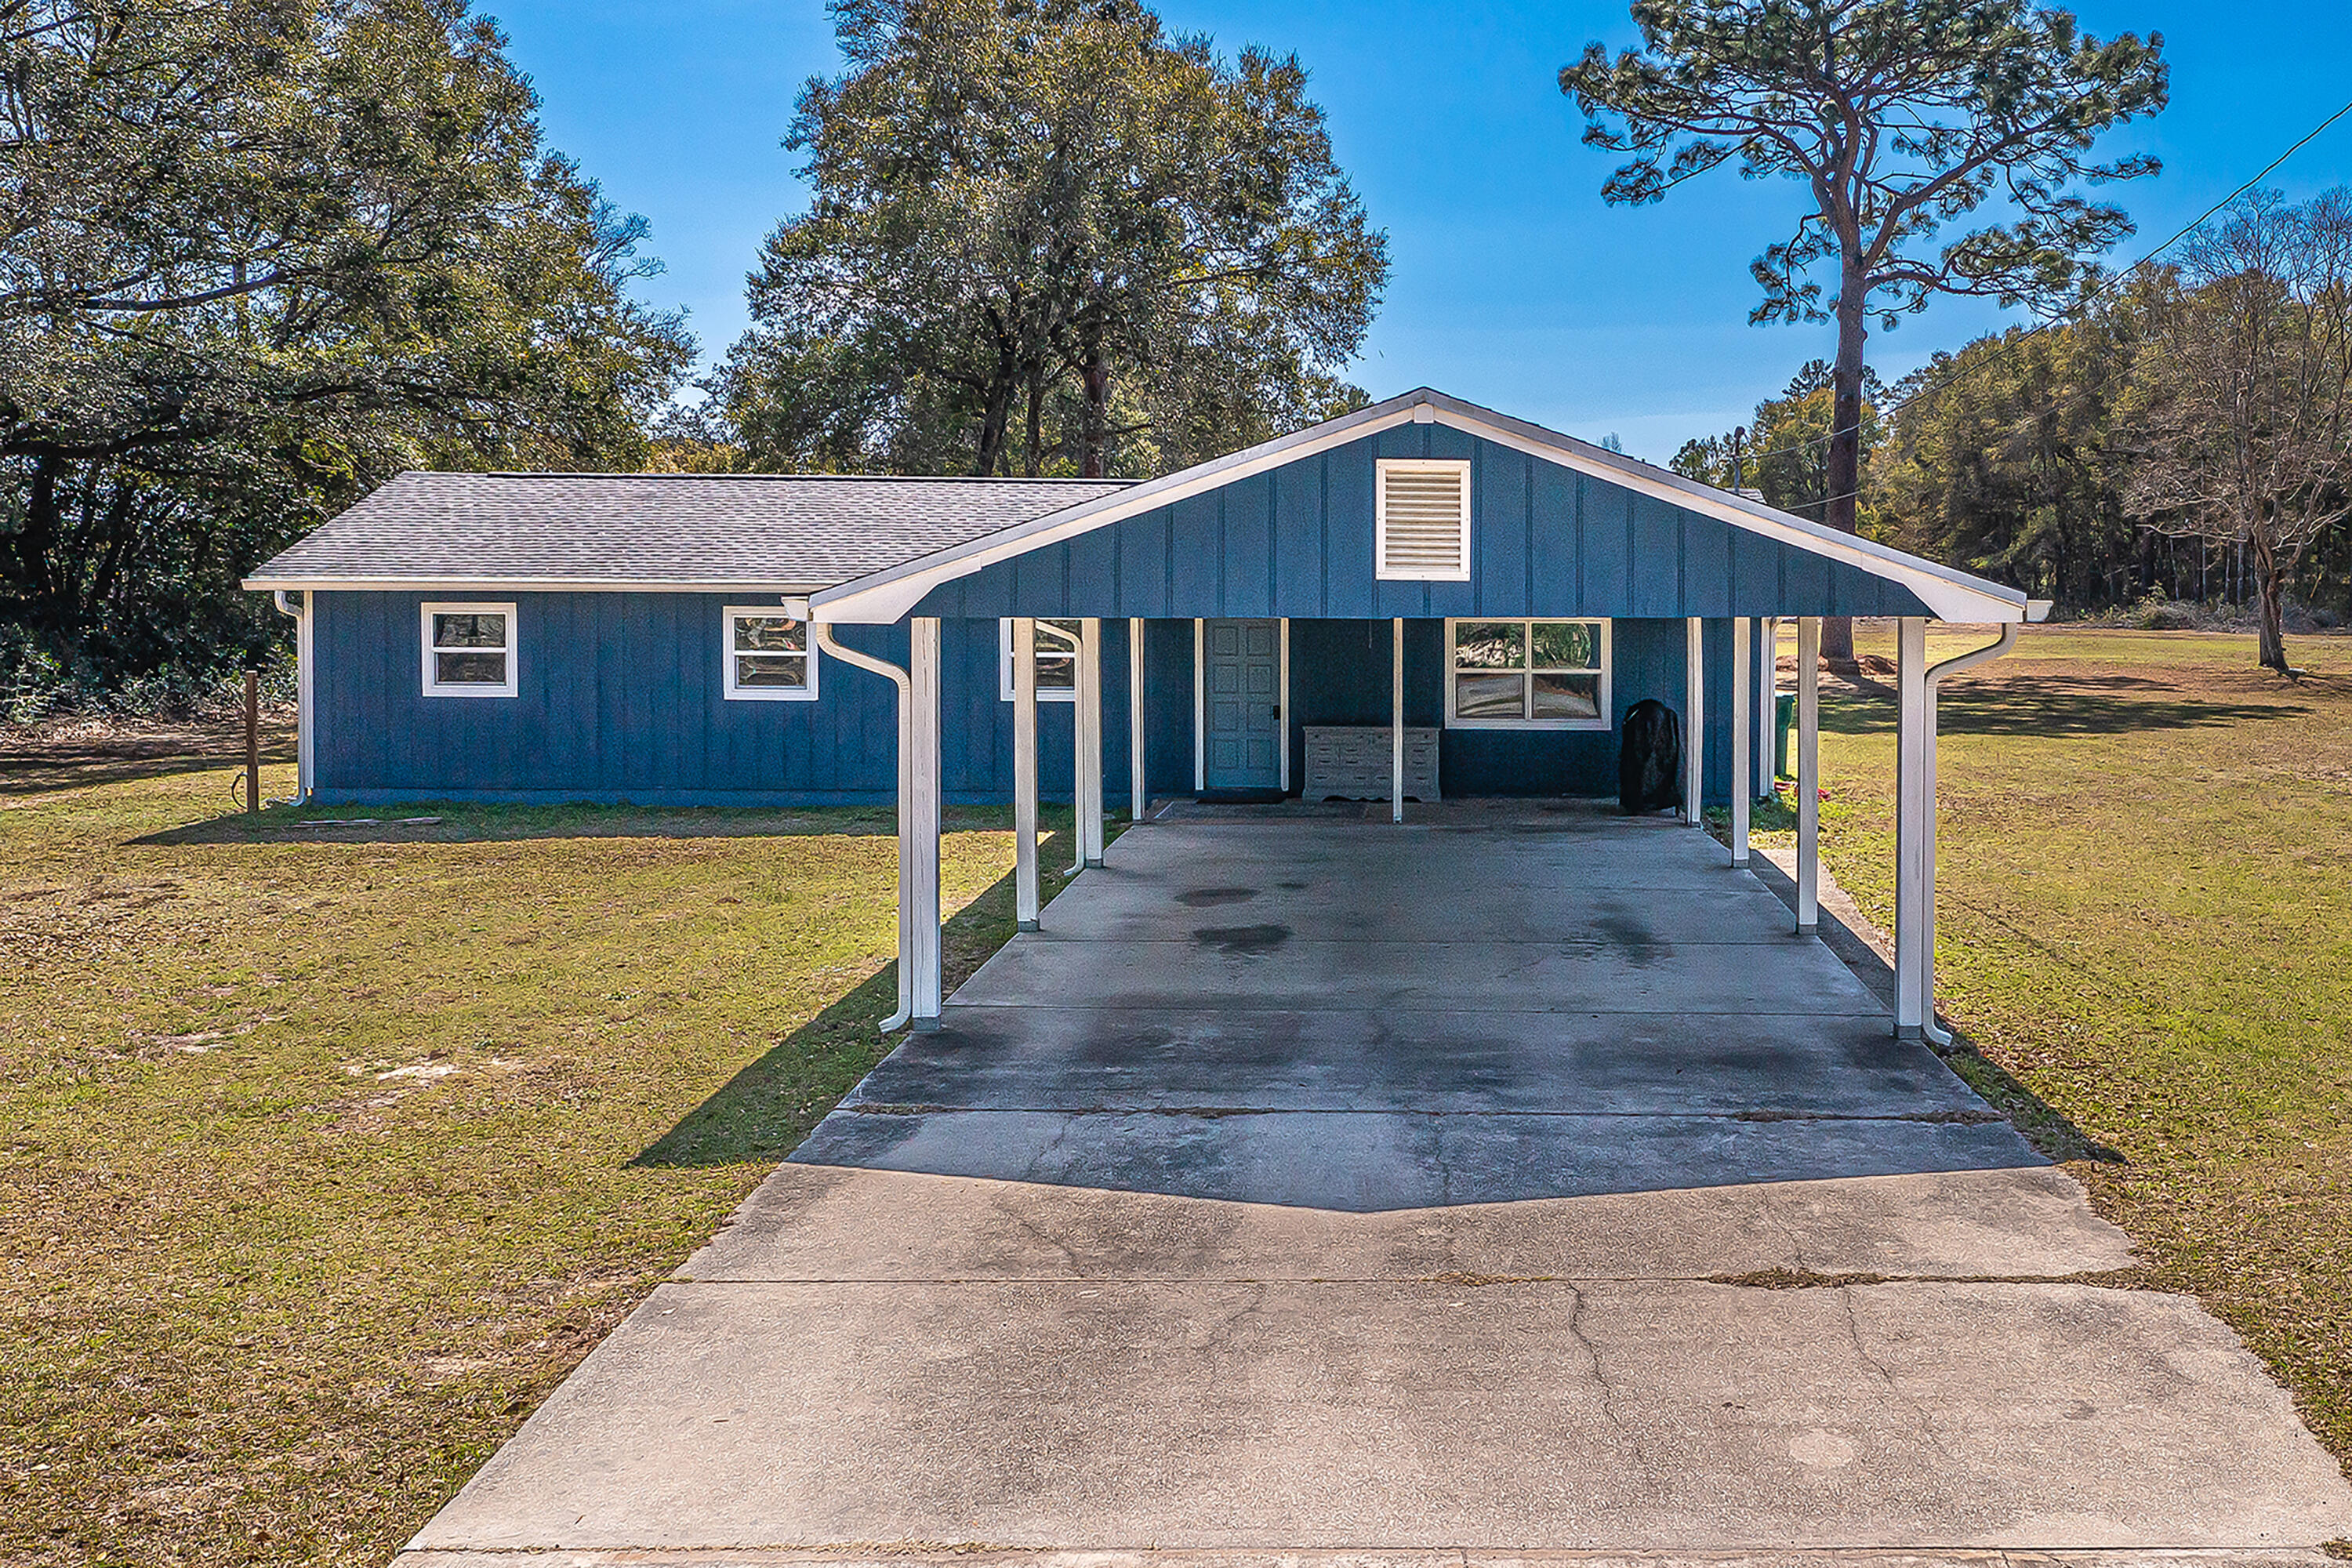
[(523, 585), (1954, 595)]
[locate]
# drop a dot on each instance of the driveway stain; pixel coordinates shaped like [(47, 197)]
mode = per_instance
[(1245, 941), (1629, 936), (1209, 898)]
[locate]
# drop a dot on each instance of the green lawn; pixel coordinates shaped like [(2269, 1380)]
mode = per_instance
[(321, 1163), (2146, 916)]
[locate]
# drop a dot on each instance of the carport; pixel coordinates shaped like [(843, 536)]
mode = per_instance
[(1494, 1002), (1531, 588)]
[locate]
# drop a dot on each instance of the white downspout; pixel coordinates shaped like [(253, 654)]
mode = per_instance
[(1936, 676), (303, 725), (1075, 643), (905, 685)]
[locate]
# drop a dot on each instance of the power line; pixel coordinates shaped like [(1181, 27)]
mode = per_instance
[(2010, 345)]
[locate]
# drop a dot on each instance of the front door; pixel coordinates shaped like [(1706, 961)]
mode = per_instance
[(1241, 699)]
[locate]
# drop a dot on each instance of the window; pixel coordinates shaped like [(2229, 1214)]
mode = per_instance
[(1057, 662), (768, 657), (1421, 520), (1541, 674), (469, 651)]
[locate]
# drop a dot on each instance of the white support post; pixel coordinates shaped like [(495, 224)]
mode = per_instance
[(1282, 711), (1695, 723), (1396, 722), (1137, 802), (1090, 768), (1025, 772), (1768, 692), (1809, 773), (1743, 761), (921, 912), (1199, 712), (1911, 890)]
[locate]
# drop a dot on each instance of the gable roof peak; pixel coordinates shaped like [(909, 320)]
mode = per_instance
[(1954, 595)]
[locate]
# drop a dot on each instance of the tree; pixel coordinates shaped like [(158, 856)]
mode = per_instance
[(1900, 117), (1047, 235), (1781, 452), (2001, 460), (2241, 422), (253, 259)]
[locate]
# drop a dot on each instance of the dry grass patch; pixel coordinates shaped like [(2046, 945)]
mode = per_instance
[(321, 1162)]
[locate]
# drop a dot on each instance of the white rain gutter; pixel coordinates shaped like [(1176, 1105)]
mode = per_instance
[(1077, 645), (302, 692), (1936, 677), (899, 678)]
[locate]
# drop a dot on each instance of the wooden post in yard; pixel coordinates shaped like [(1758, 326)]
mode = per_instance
[(252, 739)]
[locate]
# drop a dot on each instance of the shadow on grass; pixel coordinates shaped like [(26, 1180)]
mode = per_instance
[(45, 766), (451, 822), (2077, 706), (2052, 1135), (766, 1109)]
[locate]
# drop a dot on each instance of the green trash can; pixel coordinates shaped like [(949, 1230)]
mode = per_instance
[(1784, 719)]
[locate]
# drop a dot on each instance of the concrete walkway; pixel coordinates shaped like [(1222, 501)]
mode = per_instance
[(1503, 1185)]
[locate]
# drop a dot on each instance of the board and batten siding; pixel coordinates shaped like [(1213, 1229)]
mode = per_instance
[(620, 696), (1297, 541), (1340, 674)]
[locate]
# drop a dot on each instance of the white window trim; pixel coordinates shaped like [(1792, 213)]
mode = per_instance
[(1004, 668), (1382, 469), (431, 671), (1607, 720), (726, 618)]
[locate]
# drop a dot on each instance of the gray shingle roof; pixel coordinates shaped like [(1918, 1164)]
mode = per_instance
[(803, 531)]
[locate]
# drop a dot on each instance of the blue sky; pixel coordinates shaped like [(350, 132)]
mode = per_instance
[(1511, 283)]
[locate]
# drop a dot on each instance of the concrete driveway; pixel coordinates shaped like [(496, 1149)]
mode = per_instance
[(1509, 1182)]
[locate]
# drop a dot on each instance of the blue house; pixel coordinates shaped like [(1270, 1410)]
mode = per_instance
[(1425, 598)]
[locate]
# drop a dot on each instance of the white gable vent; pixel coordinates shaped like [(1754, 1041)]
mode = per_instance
[(1421, 520)]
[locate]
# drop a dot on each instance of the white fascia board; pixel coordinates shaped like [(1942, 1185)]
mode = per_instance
[(889, 595), (1953, 594), (517, 585)]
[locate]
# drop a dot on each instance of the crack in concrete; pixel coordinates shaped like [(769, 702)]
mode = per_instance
[(1788, 1231), (1928, 1431), (920, 1107), (1470, 1278), (1069, 1253), (1600, 1378)]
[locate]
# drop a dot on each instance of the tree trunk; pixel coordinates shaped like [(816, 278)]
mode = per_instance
[(39, 573), (2271, 623), (1095, 440), (995, 418), (1036, 431), (1845, 470)]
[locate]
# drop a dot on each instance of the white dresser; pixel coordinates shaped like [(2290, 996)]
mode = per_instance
[(1348, 762)]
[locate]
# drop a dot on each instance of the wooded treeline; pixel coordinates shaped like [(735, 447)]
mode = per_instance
[(2187, 436), (254, 259)]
